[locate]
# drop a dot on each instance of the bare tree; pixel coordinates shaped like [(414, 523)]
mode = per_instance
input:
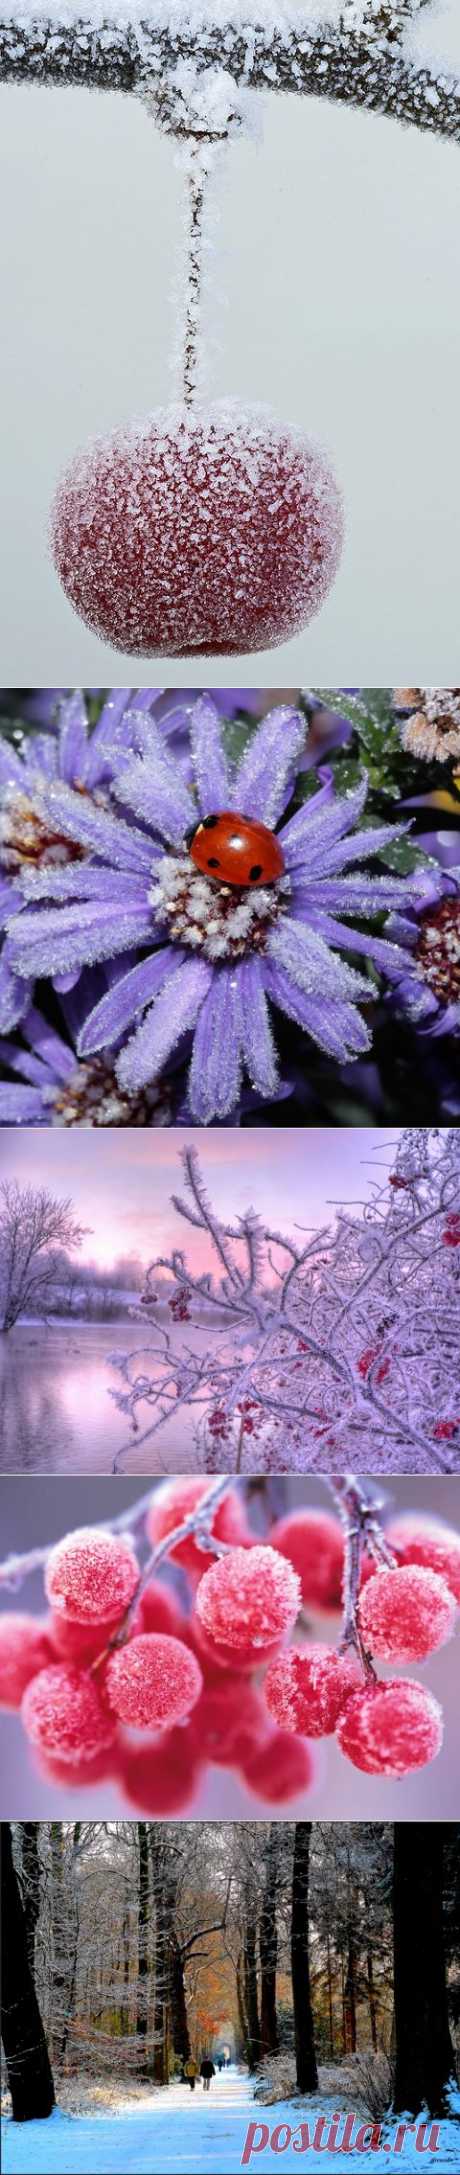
[(26, 2054), (268, 1941), (33, 1228), (307, 2073)]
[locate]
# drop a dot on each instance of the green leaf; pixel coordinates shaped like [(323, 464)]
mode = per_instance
[(237, 732), (403, 856)]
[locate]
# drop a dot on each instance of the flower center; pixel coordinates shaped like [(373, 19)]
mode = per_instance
[(438, 950), (442, 707), (213, 918), (92, 1097), (27, 838)]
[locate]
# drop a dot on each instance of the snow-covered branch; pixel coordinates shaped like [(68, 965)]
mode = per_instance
[(344, 1350), (357, 57)]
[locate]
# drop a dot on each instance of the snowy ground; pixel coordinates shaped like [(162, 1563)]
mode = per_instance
[(176, 2132)]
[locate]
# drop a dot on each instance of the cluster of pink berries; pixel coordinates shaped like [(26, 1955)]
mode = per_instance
[(179, 1305), (451, 1232), (118, 1680), (247, 1414)]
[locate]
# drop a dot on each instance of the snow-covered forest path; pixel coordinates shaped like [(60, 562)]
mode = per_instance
[(175, 2129), (179, 2132)]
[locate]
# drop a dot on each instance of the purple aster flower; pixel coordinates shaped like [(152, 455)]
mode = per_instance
[(428, 934), (50, 1085), (216, 955), (28, 836)]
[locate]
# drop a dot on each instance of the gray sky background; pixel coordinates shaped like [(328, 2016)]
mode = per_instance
[(339, 255)]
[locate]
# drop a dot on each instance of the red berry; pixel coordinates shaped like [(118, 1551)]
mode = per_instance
[(81, 1643), (175, 1500), (229, 1723), (79, 1774), (218, 1662), (446, 1430), (280, 1769), (366, 1359), (426, 1541), (91, 1574), (307, 1687), (199, 535), (152, 1681), (391, 1728), (63, 1713), (232, 850), (159, 1611), (25, 1647), (162, 1780), (313, 1543), (407, 1612), (248, 1598)]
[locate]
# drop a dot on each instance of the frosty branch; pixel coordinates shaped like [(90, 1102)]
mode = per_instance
[(339, 1347), (358, 58)]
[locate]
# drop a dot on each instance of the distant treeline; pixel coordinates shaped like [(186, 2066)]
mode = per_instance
[(93, 1293)]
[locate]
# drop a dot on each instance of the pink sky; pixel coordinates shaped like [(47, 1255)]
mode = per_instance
[(120, 1182)]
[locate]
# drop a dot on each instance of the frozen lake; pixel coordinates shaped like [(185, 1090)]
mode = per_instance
[(56, 1413)]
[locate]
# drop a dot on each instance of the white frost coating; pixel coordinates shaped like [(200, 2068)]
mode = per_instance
[(181, 20), (204, 102)]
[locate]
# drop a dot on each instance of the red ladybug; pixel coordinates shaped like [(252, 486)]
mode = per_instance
[(232, 850)]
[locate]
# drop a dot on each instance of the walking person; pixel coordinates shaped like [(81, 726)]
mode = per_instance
[(191, 2072), (207, 2071)]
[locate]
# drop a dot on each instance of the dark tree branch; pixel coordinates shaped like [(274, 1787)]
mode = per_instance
[(366, 67)]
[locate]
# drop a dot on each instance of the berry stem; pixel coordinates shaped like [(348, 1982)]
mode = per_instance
[(360, 1517), (196, 183), (197, 1524)]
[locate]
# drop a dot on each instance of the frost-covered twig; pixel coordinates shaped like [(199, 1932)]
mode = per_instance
[(355, 57), (360, 1513)]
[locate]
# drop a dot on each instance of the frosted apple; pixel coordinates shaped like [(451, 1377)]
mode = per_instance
[(198, 532)]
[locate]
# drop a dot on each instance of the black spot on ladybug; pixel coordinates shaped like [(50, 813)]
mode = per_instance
[(213, 864), (209, 823), (255, 872)]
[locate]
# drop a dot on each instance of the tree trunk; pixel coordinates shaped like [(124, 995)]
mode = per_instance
[(307, 2074), (268, 1947), (251, 1991), (30, 1883), (143, 1961), (179, 2021), (424, 2053), (26, 2053), (349, 1997), (242, 2018), (330, 2003), (73, 1916), (371, 1997)]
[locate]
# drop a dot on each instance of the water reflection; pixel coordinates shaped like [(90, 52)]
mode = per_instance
[(56, 1414)]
